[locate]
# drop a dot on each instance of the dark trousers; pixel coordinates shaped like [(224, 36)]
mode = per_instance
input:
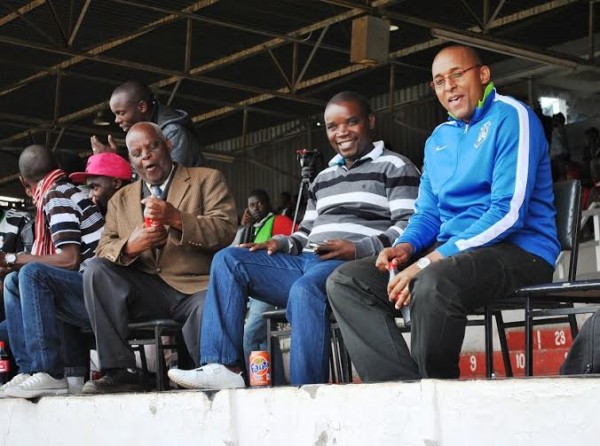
[(441, 297), (116, 295)]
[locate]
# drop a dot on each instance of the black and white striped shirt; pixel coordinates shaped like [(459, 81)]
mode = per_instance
[(73, 219), (368, 204)]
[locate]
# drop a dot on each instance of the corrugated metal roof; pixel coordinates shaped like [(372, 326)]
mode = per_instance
[(238, 51)]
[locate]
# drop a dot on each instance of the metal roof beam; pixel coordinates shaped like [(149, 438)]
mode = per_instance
[(226, 24), (105, 46), (521, 15), (157, 70), (31, 24), (15, 14), (80, 18), (240, 55), (59, 24)]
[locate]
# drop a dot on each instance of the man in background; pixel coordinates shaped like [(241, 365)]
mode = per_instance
[(259, 224), (133, 102)]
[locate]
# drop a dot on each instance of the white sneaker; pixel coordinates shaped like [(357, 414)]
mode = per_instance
[(208, 377), (13, 383), (39, 384)]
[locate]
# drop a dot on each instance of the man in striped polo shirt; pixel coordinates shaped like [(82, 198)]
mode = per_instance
[(48, 283), (356, 207)]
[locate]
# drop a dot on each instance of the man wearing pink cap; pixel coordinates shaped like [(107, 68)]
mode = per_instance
[(44, 295), (104, 174)]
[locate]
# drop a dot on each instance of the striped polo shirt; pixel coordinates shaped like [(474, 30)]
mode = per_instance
[(368, 204), (73, 219)]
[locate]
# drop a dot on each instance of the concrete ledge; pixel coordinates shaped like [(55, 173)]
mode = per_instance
[(553, 411)]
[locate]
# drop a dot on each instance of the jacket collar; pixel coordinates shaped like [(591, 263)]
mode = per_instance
[(482, 106)]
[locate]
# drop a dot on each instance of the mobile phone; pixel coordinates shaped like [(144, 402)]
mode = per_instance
[(321, 249)]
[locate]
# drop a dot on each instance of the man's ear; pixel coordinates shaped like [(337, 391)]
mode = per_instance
[(117, 183), (485, 74), (143, 106), (169, 145), (371, 119)]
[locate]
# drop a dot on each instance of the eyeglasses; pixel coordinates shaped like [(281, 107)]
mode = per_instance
[(439, 82)]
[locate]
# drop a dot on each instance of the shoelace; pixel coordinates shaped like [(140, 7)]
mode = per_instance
[(16, 381), (33, 381)]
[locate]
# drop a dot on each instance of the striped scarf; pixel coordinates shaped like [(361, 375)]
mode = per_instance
[(42, 244)]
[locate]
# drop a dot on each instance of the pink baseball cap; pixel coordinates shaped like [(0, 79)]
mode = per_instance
[(106, 164)]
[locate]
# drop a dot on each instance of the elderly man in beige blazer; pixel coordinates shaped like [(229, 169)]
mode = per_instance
[(155, 253)]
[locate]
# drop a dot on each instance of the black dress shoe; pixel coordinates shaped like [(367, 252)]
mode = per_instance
[(115, 381)]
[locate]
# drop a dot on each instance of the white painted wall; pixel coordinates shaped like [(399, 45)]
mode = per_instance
[(556, 411)]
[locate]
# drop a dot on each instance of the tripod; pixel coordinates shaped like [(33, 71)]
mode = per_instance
[(304, 185)]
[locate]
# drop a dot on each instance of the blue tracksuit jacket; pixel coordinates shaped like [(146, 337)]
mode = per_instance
[(486, 182)]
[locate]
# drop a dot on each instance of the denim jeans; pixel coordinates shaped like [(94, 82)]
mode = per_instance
[(255, 337), (35, 298), (295, 282)]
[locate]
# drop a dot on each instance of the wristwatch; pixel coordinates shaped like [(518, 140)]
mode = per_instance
[(10, 259), (423, 262)]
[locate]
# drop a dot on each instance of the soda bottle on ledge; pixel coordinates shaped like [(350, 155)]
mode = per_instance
[(4, 364)]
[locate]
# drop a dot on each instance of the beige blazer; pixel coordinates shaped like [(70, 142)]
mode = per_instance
[(209, 223)]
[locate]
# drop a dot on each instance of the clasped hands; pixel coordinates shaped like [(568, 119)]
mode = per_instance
[(143, 238)]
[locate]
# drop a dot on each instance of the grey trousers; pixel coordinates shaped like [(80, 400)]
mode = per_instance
[(116, 295), (441, 297)]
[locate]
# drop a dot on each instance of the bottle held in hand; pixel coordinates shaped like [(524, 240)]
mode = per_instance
[(405, 310), (156, 193), (148, 221)]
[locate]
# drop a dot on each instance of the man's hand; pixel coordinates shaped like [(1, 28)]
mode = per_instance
[(145, 238), (271, 246), (99, 147), (247, 219), (394, 257), (397, 289), (336, 249), (162, 212)]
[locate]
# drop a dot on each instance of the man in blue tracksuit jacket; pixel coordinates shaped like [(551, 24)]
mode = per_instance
[(484, 225)]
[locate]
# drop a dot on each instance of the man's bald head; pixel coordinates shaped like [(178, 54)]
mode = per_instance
[(36, 161), (148, 129), (469, 52), (149, 152)]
